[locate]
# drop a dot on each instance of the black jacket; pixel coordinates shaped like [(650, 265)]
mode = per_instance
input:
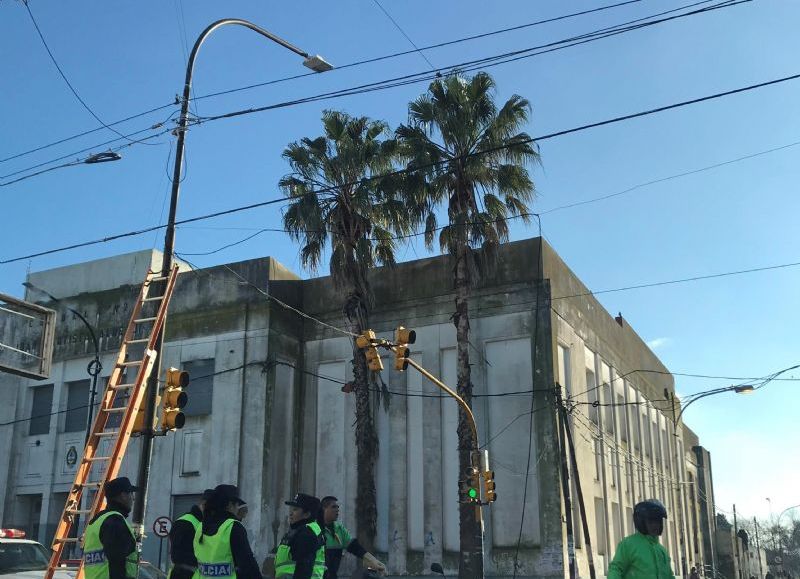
[(181, 539), (243, 558), (116, 539), (303, 546)]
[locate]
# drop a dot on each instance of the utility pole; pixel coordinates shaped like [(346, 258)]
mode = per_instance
[(573, 571), (758, 550), (736, 545), (585, 523)]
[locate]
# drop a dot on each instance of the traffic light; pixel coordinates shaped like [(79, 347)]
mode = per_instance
[(174, 399), (489, 496), (469, 487), (138, 422), (366, 341), (402, 338)]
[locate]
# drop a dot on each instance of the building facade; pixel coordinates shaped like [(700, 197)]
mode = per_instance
[(267, 410)]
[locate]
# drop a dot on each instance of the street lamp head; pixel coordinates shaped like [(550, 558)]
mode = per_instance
[(102, 157), (317, 63), (746, 389)]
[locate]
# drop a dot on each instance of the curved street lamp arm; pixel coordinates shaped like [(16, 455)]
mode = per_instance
[(704, 395), (91, 332)]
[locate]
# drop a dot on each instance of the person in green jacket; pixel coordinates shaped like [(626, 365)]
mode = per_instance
[(641, 556), (338, 540)]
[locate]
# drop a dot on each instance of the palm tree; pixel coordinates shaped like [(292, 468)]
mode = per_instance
[(468, 156), (336, 202)]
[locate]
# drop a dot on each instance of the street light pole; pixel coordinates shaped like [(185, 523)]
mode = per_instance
[(315, 63)]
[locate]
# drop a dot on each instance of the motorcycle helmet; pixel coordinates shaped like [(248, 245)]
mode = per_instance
[(649, 510)]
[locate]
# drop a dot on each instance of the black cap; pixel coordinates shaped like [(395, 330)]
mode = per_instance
[(207, 494), (224, 494), (305, 502), (119, 485)]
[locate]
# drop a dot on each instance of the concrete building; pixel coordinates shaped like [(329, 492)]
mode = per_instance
[(267, 411)]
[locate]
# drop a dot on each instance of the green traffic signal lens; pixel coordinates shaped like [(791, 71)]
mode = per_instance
[(473, 493)]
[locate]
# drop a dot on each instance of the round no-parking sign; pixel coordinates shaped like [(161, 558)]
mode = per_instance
[(162, 526)]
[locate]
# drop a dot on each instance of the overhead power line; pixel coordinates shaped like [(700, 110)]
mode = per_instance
[(66, 80), (418, 168), (338, 68), (475, 65)]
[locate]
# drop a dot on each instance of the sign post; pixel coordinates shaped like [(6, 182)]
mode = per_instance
[(161, 527)]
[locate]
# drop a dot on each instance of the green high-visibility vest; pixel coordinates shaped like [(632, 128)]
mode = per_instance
[(95, 564), (214, 556), (196, 524), (285, 565)]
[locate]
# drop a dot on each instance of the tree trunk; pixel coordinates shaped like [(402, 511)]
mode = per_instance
[(365, 434), (470, 564)]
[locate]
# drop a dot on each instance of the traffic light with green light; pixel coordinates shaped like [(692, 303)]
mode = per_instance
[(469, 490)]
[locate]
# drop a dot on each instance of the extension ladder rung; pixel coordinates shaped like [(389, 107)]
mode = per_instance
[(96, 458), (159, 278), (134, 363), (145, 320), (153, 299), (66, 540), (138, 341), (115, 409), (122, 386), (79, 511), (107, 433)]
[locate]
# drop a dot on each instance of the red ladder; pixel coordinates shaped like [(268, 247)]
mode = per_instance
[(116, 391)]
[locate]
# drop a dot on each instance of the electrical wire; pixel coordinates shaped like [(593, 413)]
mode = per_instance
[(342, 67), (408, 170), (403, 32), (470, 66), (68, 83)]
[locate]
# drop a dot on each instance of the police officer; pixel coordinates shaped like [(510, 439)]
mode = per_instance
[(181, 538), (301, 554), (338, 539), (221, 545), (109, 548), (641, 556)]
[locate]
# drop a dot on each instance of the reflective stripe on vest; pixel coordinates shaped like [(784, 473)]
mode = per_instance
[(285, 565), (95, 565), (196, 524), (214, 556)]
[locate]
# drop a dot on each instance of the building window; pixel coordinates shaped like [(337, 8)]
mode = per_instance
[(77, 406), (564, 369), (591, 388), (622, 412), (600, 525), (647, 434), (41, 410), (608, 414), (598, 459), (201, 387), (182, 504)]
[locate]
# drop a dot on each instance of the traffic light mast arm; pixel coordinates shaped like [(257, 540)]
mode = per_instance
[(444, 387)]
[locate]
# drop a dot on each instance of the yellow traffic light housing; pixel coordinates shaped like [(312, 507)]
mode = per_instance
[(403, 337), (367, 341), (173, 399), (489, 494)]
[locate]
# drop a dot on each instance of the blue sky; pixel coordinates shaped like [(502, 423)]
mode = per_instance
[(129, 57)]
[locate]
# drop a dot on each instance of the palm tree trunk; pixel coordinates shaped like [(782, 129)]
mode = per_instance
[(470, 528), (365, 433)]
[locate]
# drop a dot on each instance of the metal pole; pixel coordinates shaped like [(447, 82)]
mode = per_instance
[(736, 545), (573, 571), (758, 550), (578, 491), (166, 264)]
